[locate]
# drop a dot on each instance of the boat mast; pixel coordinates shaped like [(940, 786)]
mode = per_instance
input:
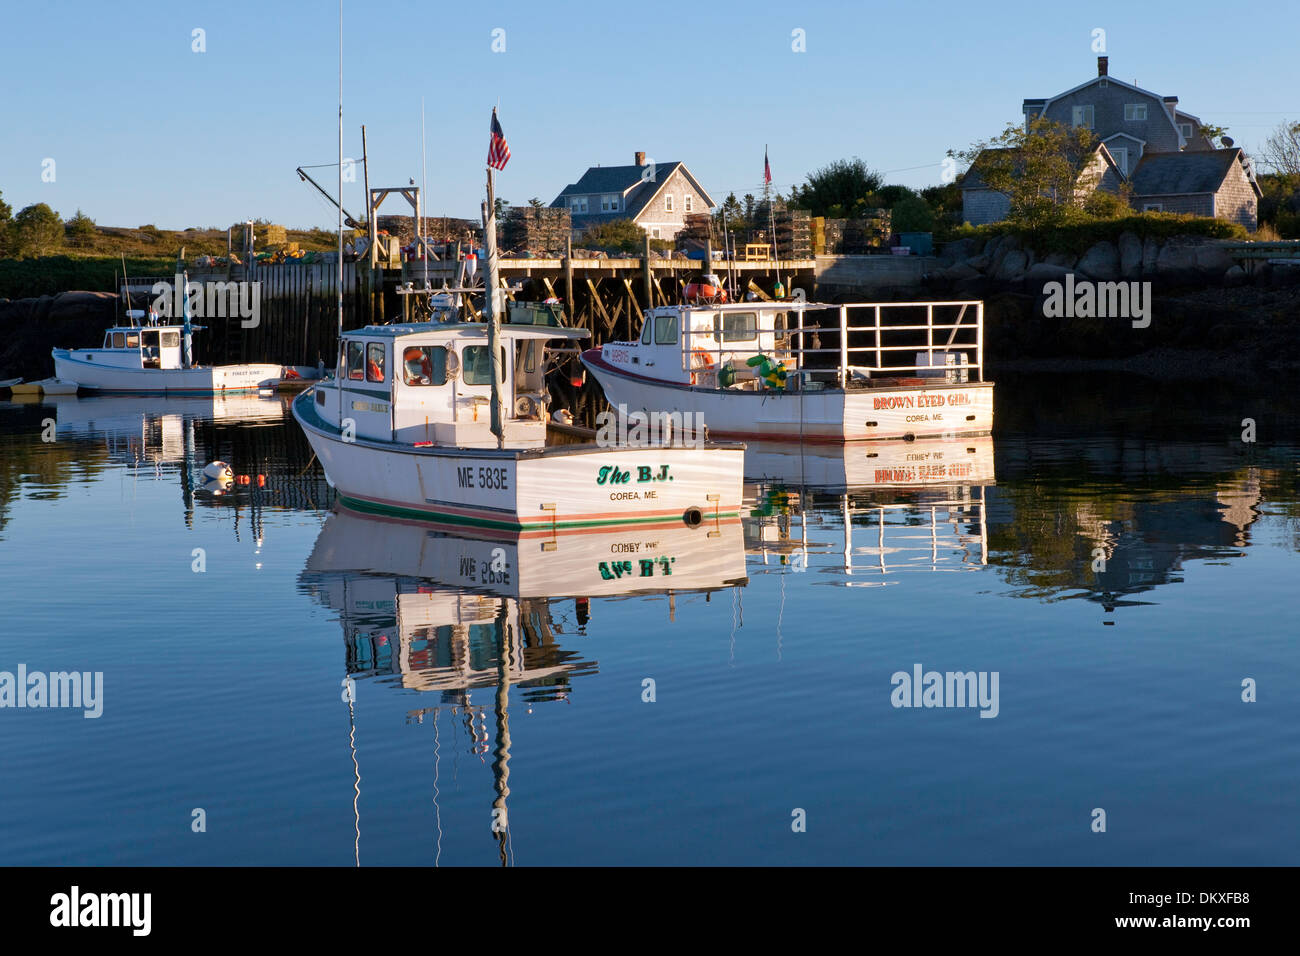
[(491, 301), (187, 330), (338, 348)]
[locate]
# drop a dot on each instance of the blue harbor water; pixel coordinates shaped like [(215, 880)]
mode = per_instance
[(306, 687)]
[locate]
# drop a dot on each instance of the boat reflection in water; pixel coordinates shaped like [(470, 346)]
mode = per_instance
[(425, 611), (891, 506)]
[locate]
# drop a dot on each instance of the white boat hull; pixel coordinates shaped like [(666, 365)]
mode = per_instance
[(826, 415), (528, 491), (203, 380)]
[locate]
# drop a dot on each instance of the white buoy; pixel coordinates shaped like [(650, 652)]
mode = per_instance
[(218, 471), (562, 416)]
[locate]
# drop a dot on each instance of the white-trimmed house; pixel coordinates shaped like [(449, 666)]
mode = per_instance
[(656, 196)]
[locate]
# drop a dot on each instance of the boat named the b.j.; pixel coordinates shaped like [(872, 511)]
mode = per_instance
[(405, 428), (796, 370)]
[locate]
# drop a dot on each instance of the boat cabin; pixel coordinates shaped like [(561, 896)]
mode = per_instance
[(432, 383), (137, 347), (796, 345)]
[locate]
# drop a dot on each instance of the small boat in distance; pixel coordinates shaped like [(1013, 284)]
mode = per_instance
[(145, 356), (770, 370)]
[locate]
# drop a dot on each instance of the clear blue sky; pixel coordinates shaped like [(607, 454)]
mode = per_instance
[(143, 130)]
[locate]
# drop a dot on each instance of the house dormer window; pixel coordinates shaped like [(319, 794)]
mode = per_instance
[(1135, 112), (1185, 129), (1083, 116), (609, 203), (668, 203)]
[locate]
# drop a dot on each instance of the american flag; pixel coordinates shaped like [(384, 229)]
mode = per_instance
[(498, 151), (767, 168)]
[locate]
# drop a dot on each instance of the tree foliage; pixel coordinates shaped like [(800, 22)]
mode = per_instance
[(38, 230), (1281, 150), (622, 235), (1037, 168), (81, 229), (838, 189)]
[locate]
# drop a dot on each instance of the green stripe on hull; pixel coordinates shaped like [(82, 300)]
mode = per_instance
[(397, 511)]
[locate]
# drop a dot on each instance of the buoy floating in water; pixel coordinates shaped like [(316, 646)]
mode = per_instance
[(218, 471)]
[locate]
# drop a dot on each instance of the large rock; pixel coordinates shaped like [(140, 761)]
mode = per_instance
[(1150, 255), (1177, 261), (979, 263), (959, 271), (1063, 259), (1130, 255), (1100, 262), (1012, 266), (1213, 260), (1234, 277), (1043, 272)]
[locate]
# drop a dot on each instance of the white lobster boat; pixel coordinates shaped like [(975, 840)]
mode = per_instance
[(771, 370), (145, 358), (405, 429)]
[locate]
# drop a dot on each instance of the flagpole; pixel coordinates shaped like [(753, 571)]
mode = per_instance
[(490, 304), (338, 347)]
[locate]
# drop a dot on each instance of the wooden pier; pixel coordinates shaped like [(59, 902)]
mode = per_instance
[(298, 301)]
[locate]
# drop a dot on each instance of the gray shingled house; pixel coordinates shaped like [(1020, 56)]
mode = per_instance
[(656, 196), (1216, 183), (1145, 134), (980, 204)]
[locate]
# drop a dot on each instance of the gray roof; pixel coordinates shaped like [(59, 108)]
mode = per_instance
[(972, 179), (620, 179), (1191, 171)]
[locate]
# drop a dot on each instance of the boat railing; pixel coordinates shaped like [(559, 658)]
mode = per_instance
[(871, 340)]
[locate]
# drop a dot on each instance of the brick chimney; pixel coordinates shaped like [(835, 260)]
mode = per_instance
[(640, 158), (1103, 66)]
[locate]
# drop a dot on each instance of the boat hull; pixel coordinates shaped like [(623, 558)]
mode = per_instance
[(530, 492), (206, 380), (828, 415)]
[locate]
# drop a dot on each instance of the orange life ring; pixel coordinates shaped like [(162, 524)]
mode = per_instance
[(705, 362)]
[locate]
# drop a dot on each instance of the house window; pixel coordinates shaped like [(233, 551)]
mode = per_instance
[(668, 203), (1186, 130), (1082, 116), (1153, 207), (688, 204), (1135, 112), (1121, 158), (578, 204), (654, 233), (609, 203)]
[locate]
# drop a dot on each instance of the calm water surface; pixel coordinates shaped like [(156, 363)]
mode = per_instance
[(1116, 554)]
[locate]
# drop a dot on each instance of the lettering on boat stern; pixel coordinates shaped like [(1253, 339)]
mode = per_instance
[(644, 474)]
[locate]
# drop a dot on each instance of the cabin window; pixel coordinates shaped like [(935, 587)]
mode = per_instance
[(133, 340), (647, 327), (478, 364), (171, 340), (356, 361), (739, 326), (119, 340), (1135, 112), (108, 340), (665, 330), (425, 365), (375, 362), (1082, 116)]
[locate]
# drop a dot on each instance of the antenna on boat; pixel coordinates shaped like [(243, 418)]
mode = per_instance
[(771, 218)]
